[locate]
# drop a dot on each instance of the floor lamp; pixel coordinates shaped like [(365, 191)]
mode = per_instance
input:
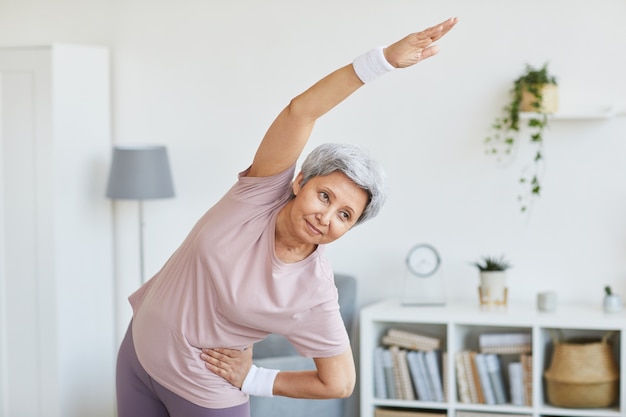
[(140, 173)]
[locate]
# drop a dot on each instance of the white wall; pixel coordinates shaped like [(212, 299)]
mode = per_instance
[(206, 78)]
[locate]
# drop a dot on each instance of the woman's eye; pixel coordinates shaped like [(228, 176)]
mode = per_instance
[(345, 215), (323, 196)]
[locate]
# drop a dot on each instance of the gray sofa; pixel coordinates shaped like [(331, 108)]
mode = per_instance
[(276, 353)]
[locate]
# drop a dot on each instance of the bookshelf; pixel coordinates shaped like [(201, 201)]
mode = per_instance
[(459, 326)]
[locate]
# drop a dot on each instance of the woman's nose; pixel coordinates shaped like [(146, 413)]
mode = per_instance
[(323, 217)]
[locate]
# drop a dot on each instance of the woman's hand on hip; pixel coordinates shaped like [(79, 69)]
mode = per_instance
[(231, 364)]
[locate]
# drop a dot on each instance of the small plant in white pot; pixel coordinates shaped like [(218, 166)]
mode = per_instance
[(492, 272)]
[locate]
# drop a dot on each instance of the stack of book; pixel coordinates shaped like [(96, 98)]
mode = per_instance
[(505, 343), (409, 366), (410, 340), (483, 377)]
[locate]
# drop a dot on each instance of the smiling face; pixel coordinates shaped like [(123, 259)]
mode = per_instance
[(325, 208)]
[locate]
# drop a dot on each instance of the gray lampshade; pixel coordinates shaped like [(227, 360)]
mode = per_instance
[(140, 173)]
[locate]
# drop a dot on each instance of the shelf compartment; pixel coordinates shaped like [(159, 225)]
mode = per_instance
[(547, 337), (467, 346), (430, 330)]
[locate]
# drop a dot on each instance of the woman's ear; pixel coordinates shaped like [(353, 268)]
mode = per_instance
[(296, 184)]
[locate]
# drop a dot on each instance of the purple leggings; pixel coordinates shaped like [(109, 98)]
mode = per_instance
[(138, 395)]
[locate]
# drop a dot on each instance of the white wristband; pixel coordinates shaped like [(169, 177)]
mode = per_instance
[(259, 382), (372, 65)]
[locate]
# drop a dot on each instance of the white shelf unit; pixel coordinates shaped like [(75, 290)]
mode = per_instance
[(458, 326)]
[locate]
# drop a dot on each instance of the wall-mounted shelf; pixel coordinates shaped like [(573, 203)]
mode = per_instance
[(600, 113)]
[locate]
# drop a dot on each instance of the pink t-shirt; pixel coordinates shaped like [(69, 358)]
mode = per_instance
[(225, 287)]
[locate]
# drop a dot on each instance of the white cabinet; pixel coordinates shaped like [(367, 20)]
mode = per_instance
[(459, 327), (57, 349)]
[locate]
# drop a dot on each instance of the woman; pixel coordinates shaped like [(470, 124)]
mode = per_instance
[(254, 265)]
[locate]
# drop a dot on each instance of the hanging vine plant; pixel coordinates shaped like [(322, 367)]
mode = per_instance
[(535, 92)]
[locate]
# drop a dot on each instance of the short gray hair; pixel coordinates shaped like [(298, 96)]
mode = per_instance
[(356, 164)]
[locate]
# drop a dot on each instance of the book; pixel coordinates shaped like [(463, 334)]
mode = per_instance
[(444, 374), (380, 389), (429, 381), (417, 368), (503, 339), (471, 380), (389, 412), (505, 343), (390, 383), (516, 383), (434, 374), (485, 382), (507, 350), (527, 378), (476, 377), (397, 378), (461, 378), (408, 392), (461, 413), (410, 340), (495, 377)]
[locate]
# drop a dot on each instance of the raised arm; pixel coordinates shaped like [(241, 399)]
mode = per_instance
[(288, 134)]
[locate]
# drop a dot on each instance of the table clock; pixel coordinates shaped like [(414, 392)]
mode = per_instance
[(423, 282)]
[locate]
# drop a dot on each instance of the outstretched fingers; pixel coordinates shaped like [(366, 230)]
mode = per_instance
[(231, 364), (417, 46), (428, 52), (436, 32)]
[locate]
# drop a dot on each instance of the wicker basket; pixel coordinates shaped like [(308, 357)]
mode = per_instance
[(582, 374)]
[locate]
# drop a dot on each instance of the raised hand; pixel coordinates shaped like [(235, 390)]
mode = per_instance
[(417, 46)]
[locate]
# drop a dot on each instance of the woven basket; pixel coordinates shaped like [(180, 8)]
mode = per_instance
[(582, 374)]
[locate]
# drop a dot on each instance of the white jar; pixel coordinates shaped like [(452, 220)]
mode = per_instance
[(612, 303)]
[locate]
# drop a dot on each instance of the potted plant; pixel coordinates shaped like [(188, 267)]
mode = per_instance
[(492, 273), (534, 91)]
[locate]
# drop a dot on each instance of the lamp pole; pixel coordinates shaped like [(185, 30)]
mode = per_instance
[(142, 273)]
